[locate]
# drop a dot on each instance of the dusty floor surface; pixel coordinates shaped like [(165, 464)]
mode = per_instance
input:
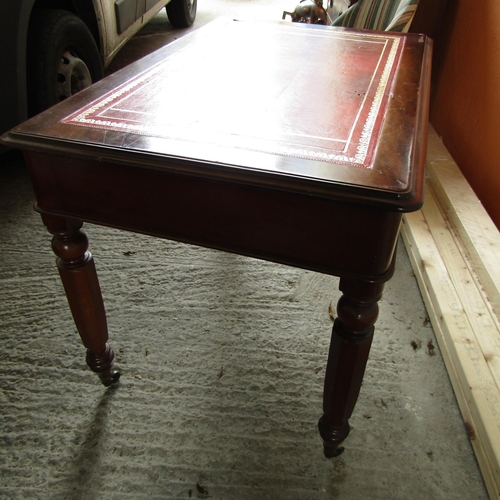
[(222, 361)]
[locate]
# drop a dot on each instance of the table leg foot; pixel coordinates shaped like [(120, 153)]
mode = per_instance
[(102, 365), (333, 437), (352, 334)]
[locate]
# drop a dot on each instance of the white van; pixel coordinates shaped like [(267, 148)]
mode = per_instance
[(51, 49)]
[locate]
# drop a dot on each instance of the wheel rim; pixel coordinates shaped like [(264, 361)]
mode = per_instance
[(73, 75)]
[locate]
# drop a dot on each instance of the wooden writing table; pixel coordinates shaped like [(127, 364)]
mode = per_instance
[(293, 143)]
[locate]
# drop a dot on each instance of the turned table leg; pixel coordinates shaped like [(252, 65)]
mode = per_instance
[(357, 311), (79, 278)]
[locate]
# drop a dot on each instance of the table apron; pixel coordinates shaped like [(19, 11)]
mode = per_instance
[(297, 229)]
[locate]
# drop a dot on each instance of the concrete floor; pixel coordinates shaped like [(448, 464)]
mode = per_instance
[(222, 361)]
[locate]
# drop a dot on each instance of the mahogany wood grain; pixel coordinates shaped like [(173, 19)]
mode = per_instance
[(293, 143)]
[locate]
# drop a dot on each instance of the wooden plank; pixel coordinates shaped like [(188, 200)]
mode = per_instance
[(446, 287), (454, 248), (412, 243), (483, 325), (477, 232)]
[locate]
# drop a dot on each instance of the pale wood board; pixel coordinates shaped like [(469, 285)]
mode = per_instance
[(478, 234), (475, 389), (450, 251), (484, 326), (413, 232)]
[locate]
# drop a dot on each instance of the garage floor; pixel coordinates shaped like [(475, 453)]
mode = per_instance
[(222, 361)]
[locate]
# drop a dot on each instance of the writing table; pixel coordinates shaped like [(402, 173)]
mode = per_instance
[(298, 144)]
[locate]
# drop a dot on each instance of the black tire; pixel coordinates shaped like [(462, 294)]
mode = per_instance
[(62, 58), (182, 13)]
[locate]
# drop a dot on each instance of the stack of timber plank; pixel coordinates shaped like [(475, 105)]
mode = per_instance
[(454, 248)]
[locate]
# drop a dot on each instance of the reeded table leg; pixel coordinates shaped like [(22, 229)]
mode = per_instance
[(352, 335), (79, 277)]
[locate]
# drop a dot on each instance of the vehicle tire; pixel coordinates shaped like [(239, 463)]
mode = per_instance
[(62, 58), (181, 13)]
